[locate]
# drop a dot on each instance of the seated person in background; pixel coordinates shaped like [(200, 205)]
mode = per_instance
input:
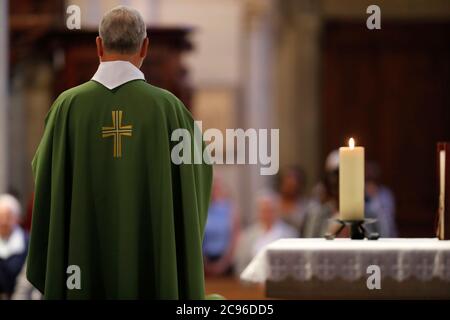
[(268, 228), (292, 201), (324, 205), (13, 244), (221, 231), (380, 203)]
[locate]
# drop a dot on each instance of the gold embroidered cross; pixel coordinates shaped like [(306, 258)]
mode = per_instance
[(117, 131)]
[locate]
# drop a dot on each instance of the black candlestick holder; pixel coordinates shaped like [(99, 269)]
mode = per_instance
[(357, 230)]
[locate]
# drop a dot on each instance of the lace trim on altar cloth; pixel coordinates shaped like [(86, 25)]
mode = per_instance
[(349, 265), (327, 266)]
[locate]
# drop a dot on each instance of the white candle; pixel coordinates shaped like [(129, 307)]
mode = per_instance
[(351, 182), (442, 172), (441, 191)]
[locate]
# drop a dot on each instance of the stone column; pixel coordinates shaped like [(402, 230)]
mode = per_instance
[(4, 101), (258, 92), (298, 88)]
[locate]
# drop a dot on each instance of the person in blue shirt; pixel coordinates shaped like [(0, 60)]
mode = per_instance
[(221, 232)]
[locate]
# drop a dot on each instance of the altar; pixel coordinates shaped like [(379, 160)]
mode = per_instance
[(340, 269)]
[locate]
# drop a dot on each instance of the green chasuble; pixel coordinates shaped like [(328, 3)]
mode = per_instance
[(109, 199)]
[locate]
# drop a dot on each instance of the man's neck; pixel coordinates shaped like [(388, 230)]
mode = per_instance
[(119, 57)]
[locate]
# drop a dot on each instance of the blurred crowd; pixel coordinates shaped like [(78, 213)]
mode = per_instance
[(287, 211), (284, 211)]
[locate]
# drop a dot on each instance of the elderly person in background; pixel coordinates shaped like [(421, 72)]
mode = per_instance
[(13, 244), (268, 228)]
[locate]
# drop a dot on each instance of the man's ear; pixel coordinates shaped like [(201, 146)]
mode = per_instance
[(144, 48), (100, 50)]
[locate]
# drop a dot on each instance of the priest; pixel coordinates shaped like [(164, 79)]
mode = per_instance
[(114, 217)]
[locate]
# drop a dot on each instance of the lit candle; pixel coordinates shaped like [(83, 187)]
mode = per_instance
[(351, 182), (441, 191)]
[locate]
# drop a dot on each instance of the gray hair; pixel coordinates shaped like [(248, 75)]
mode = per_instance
[(122, 30), (12, 204)]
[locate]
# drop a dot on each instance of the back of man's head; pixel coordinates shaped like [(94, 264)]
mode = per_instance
[(122, 30)]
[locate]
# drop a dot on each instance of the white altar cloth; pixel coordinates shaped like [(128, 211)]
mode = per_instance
[(304, 259)]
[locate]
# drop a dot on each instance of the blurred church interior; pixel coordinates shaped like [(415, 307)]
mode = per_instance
[(308, 67)]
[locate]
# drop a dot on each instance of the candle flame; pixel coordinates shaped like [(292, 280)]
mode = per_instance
[(351, 143)]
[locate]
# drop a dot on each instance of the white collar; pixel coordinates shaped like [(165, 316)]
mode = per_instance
[(112, 74), (15, 244)]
